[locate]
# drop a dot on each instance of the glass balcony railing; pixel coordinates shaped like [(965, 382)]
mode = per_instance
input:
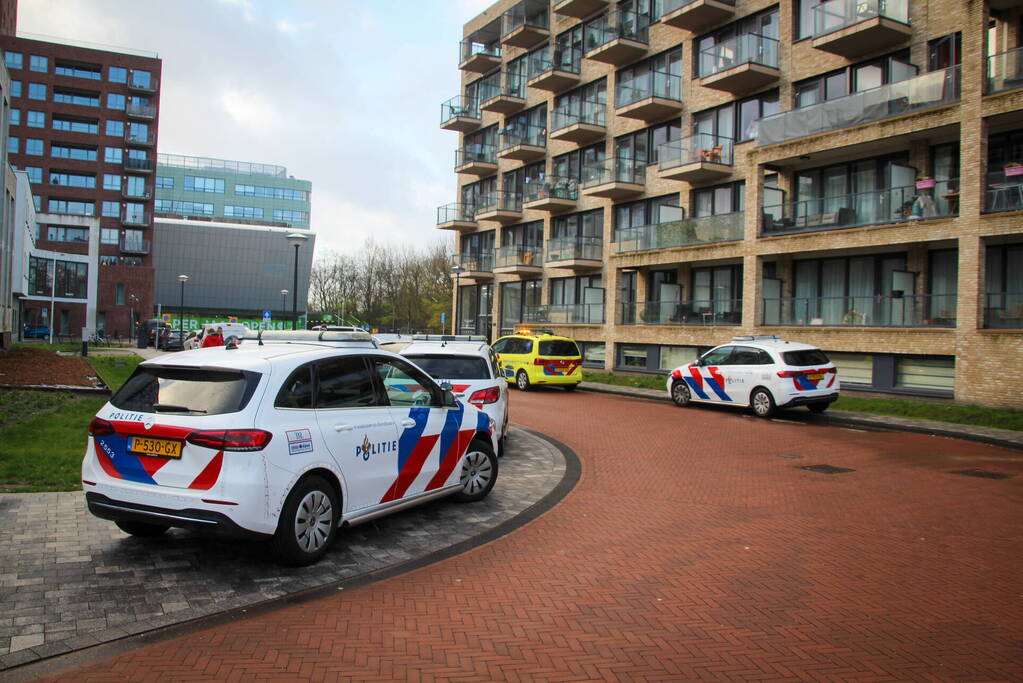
[(708, 312), (528, 13), (481, 262), (565, 314), (468, 49), (1004, 190), (485, 154), (134, 246), (450, 213), (509, 85), (534, 136), (933, 89), (750, 48), (575, 249), (499, 201), (135, 217), (460, 107), (1003, 310), (835, 15), (1004, 71), (880, 310), (144, 111), (579, 111), (515, 255), (622, 170), (615, 25), (876, 207), (553, 58), (715, 149), (139, 165), (551, 187), (650, 84), (727, 227)]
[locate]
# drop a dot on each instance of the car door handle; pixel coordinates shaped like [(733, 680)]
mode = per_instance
[(339, 427), (408, 422)]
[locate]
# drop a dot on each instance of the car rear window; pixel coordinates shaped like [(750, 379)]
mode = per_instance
[(558, 347), (452, 367), (805, 357), (186, 391)]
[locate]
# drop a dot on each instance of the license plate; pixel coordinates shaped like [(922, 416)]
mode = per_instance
[(145, 445), (816, 377)]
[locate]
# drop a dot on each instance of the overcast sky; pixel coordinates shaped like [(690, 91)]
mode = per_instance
[(345, 94)]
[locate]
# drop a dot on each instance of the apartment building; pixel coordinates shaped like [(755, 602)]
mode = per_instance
[(83, 126), (652, 177)]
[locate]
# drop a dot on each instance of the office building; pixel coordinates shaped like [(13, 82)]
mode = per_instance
[(653, 177)]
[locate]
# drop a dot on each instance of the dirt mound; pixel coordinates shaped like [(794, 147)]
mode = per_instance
[(38, 367)]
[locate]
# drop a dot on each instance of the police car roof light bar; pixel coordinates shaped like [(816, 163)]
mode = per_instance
[(756, 337), (474, 338), (311, 336)]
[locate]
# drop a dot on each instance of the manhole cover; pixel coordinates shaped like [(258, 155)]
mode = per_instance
[(826, 469), (984, 474), (790, 456)]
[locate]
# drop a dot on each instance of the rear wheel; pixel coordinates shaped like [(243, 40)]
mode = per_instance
[(479, 473), (308, 523), (522, 381), (569, 387), (762, 402), (141, 529), (817, 408), (680, 394)]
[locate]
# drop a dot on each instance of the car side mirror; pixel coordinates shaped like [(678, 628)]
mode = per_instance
[(449, 398), (446, 386)]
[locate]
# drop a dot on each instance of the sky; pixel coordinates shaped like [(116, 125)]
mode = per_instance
[(344, 94)]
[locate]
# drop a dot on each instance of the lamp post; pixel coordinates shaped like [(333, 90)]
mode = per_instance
[(284, 302), (295, 239), (457, 269), (181, 322)]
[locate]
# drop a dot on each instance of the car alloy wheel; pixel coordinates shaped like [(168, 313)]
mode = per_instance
[(313, 521), (478, 474), (680, 393), (762, 403), (522, 381)]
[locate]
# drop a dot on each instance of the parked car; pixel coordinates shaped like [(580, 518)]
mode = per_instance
[(232, 331), (468, 365), (172, 340), (281, 441), (36, 331), (764, 373), (531, 357)]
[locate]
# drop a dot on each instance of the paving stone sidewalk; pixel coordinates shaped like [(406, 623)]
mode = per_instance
[(1006, 438), (69, 580)]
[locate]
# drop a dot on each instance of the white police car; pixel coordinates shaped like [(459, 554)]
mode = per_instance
[(469, 365), (282, 440), (764, 373)]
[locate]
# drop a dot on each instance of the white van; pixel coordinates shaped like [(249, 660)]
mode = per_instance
[(232, 331)]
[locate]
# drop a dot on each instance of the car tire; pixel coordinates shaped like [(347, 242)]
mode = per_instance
[(817, 408), (308, 523), (761, 402), (680, 395), (522, 381), (478, 473), (141, 529), (569, 387)]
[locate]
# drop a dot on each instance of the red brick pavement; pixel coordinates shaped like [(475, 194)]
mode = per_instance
[(690, 550)]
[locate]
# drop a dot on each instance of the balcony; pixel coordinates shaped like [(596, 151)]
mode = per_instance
[(502, 207), (477, 160), (523, 144), (1003, 310), (142, 82), (690, 313), (479, 56), (697, 159), (580, 122), (687, 232), (140, 111), (853, 28), (696, 15), (615, 179), (1004, 72), (650, 97), (527, 23), (553, 69), (930, 90), (461, 114), (575, 253), (517, 259), (146, 194), (134, 246), (879, 310), (1004, 190), (551, 194), (474, 266), (875, 207), (135, 217), (137, 139), (741, 64), (564, 314), (509, 98), (617, 38), (580, 9), (139, 165), (457, 217)]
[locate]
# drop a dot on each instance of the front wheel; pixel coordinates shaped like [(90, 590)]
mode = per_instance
[(762, 403), (141, 529), (680, 394), (817, 408), (479, 473), (308, 523), (522, 381)]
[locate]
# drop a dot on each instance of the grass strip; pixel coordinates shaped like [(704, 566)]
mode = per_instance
[(20, 404), (114, 370)]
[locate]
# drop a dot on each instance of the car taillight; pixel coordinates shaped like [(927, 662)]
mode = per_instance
[(231, 439), (789, 373), (540, 361), (100, 427), (483, 396)]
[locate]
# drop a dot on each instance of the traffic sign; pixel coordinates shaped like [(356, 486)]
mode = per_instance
[(266, 316)]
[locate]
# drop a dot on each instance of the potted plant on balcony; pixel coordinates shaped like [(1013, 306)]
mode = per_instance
[(925, 182), (1013, 168)]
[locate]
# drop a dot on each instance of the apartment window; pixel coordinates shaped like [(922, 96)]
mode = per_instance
[(13, 145), (111, 181), (571, 165), (35, 174), (632, 356), (115, 101), (141, 78), (14, 60), (519, 301), (804, 18), (474, 193), (657, 76), (71, 206), (80, 97), (926, 373), (37, 202), (856, 78), (89, 71), (108, 236), (72, 179), (584, 224), (73, 152), (134, 213), (130, 260), (113, 155), (117, 74), (718, 290), (109, 260), (139, 154), (16, 117), (515, 182), (763, 24), (119, 294), (37, 63), (135, 186), (851, 290), (75, 125), (184, 208), (72, 279), (671, 357), (648, 212), (243, 211), (528, 127), (525, 235), (641, 146), (203, 184), (115, 129), (34, 147), (164, 182), (571, 290), (59, 233), (112, 209), (593, 353), (15, 88), (717, 200), (290, 216), (37, 91), (1003, 286), (35, 119), (945, 52), (270, 192)]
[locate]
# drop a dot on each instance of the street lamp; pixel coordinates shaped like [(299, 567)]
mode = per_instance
[(457, 269), (295, 239), (181, 322), (284, 302)]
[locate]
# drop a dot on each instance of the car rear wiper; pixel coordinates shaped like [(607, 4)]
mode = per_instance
[(170, 408)]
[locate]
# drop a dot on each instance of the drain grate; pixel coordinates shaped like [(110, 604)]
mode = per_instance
[(984, 474), (826, 469), (791, 456)]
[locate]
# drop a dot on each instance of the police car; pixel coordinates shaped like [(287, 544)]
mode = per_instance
[(287, 440), (469, 365), (762, 372)]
